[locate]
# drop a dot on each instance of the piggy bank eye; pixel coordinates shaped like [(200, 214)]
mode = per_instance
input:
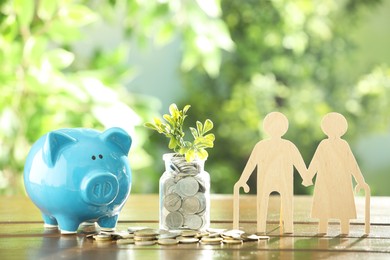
[(93, 157), (100, 156)]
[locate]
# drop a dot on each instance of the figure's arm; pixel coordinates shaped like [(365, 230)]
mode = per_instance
[(300, 165), (313, 166), (355, 170), (249, 168)]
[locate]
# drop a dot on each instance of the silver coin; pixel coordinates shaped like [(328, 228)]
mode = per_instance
[(202, 185), (169, 235), (202, 201), (174, 220), (190, 205), (174, 167), (172, 202), (193, 221), (167, 241), (169, 186), (187, 187)]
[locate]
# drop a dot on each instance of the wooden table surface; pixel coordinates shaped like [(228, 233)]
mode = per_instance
[(22, 235)]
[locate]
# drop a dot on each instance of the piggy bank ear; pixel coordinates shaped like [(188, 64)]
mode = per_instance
[(55, 143), (118, 137)]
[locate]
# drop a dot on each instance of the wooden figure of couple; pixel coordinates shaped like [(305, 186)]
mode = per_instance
[(333, 162)]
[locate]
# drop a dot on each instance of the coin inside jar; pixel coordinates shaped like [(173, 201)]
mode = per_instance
[(172, 202), (191, 205), (187, 187), (174, 220), (169, 186), (202, 201), (193, 221)]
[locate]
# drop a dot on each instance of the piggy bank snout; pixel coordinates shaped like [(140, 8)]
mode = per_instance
[(99, 188)]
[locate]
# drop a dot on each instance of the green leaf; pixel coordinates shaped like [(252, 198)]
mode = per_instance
[(172, 143), (46, 9), (199, 126), (169, 119), (60, 58), (185, 109), (210, 137), (194, 132), (190, 155), (157, 121), (174, 111), (208, 125), (151, 126), (79, 15), (183, 150), (202, 154), (24, 10)]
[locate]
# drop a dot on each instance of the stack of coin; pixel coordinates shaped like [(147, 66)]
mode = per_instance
[(184, 196), (145, 237)]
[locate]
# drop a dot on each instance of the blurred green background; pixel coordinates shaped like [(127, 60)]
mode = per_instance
[(103, 63)]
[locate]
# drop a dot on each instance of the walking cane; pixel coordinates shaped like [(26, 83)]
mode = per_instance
[(367, 193), (236, 203), (367, 209), (236, 206)]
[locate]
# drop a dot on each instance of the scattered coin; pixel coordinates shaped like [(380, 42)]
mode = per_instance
[(146, 232), (102, 237), (133, 229), (145, 243), (144, 238), (187, 240), (211, 240), (169, 235), (254, 237), (189, 233), (167, 241), (232, 241), (202, 234), (125, 241)]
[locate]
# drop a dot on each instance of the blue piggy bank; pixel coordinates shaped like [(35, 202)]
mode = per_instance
[(79, 175)]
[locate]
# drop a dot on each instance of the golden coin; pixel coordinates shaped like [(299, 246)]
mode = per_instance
[(187, 240), (189, 233), (232, 241), (137, 238), (102, 237), (167, 241), (124, 241), (145, 243), (211, 240), (148, 232)]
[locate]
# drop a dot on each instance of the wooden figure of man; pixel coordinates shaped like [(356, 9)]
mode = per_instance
[(334, 164), (275, 159)]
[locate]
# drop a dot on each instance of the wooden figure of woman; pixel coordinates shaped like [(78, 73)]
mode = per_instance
[(335, 164)]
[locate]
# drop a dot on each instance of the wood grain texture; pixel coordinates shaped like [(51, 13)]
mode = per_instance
[(335, 165), (22, 235), (275, 159)]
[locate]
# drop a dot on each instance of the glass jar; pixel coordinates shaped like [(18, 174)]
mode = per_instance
[(184, 194)]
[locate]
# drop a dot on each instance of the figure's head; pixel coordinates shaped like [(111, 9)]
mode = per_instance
[(334, 125), (275, 124)]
